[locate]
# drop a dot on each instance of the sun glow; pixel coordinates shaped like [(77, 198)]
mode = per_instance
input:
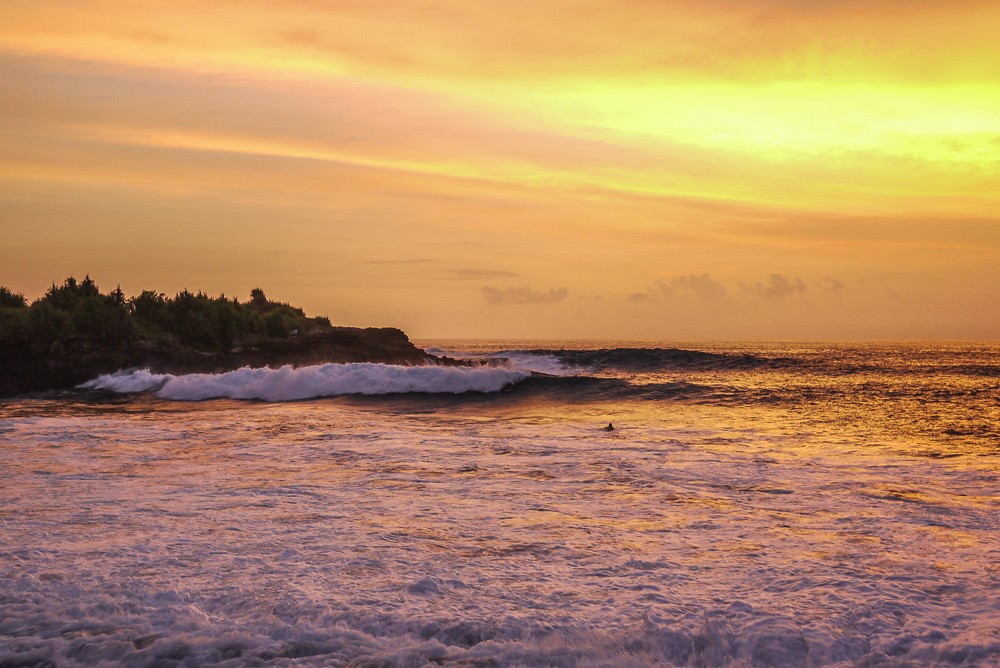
[(652, 141)]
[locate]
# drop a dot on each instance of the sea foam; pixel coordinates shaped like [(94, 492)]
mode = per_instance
[(324, 380)]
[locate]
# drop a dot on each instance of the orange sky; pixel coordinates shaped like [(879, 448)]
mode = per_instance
[(640, 169)]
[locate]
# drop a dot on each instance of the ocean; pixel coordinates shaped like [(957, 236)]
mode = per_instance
[(754, 505)]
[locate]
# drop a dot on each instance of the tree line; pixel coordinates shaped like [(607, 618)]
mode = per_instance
[(78, 314)]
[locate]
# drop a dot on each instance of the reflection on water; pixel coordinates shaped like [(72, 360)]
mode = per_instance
[(836, 506)]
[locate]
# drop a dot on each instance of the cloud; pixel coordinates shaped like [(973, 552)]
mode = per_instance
[(473, 274), (418, 260), (523, 295), (700, 287), (778, 286), (638, 297), (459, 273), (833, 285)]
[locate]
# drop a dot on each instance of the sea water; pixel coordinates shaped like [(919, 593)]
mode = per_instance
[(754, 505)]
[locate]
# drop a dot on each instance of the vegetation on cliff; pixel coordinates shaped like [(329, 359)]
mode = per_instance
[(75, 332), (77, 314)]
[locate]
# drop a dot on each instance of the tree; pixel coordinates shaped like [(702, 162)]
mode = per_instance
[(76, 315), (151, 307), (117, 297), (11, 299), (88, 288)]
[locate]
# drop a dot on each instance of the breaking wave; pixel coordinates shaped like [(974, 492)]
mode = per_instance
[(324, 380), (328, 380)]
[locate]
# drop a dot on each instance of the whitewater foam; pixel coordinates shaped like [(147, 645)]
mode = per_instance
[(546, 363), (838, 511), (324, 380)]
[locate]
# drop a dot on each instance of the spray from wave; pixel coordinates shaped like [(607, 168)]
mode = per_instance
[(324, 380)]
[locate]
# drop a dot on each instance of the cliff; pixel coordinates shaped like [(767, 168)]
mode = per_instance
[(66, 367)]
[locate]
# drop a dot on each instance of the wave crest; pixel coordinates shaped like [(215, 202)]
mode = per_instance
[(324, 380)]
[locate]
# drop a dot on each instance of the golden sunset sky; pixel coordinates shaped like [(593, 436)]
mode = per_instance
[(637, 169)]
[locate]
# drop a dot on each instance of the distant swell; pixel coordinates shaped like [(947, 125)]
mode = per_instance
[(651, 359), (324, 380)]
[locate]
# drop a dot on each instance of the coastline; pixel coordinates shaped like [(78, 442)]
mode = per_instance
[(66, 367)]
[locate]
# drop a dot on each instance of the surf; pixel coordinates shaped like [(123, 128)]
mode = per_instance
[(288, 383)]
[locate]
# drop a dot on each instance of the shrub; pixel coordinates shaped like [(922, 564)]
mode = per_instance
[(276, 324)]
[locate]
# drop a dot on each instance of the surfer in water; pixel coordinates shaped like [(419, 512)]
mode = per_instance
[(610, 427)]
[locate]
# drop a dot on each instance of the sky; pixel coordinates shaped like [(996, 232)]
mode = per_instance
[(587, 169)]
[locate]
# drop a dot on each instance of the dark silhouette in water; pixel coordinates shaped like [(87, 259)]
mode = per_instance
[(610, 427)]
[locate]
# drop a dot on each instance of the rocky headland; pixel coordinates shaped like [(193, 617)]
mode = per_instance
[(74, 333)]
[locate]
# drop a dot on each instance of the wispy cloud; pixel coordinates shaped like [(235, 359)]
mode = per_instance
[(417, 260), (473, 274)]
